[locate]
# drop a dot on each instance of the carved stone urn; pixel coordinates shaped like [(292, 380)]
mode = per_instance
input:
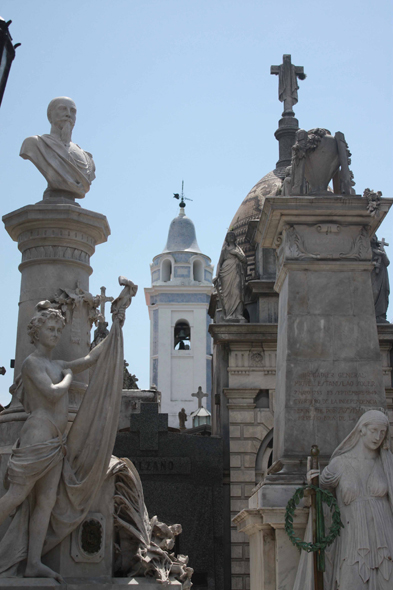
[(321, 165)]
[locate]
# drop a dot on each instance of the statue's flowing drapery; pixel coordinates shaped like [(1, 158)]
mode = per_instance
[(381, 288), (51, 158), (231, 274), (362, 556), (89, 448)]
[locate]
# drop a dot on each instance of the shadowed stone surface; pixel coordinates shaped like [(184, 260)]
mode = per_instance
[(182, 483)]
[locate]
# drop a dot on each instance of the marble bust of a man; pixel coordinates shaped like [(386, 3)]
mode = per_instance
[(68, 169)]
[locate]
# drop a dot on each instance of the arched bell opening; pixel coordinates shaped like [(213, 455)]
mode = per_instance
[(166, 270), (182, 335), (197, 271)]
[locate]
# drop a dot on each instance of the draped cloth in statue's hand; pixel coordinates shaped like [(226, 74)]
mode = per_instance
[(89, 448), (90, 441)]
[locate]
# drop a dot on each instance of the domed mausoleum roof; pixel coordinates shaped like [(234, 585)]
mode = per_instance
[(181, 235), (251, 207), (250, 210)]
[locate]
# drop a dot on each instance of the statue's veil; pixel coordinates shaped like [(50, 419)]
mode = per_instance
[(386, 456), (353, 437)]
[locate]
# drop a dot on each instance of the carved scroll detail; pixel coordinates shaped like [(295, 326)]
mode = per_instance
[(361, 249), (294, 245)]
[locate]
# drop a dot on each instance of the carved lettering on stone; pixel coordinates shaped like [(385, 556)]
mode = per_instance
[(328, 228)]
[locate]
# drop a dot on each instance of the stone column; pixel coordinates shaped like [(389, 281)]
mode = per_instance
[(273, 560), (243, 446), (56, 242)]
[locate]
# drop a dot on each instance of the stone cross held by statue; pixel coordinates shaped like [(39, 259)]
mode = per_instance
[(287, 82), (103, 300), (383, 243), (199, 395)]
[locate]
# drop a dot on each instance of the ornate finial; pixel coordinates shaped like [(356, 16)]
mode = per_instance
[(314, 456), (287, 83), (373, 201), (182, 198)]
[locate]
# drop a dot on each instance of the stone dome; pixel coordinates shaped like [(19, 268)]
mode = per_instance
[(251, 207), (181, 235)]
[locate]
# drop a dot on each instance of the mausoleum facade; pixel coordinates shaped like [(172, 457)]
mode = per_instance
[(246, 357)]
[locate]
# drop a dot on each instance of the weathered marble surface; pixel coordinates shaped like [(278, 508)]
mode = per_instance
[(287, 82), (380, 279), (273, 559), (230, 281), (57, 243), (65, 478), (317, 158), (68, 169), (361, 474), (328, 363)]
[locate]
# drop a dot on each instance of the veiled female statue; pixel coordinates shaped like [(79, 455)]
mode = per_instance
[(231, 279), (361, 473)]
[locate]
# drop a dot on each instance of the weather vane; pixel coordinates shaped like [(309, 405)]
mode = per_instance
[(182, 198)]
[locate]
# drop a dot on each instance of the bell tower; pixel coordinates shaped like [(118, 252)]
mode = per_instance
[(178, 301)]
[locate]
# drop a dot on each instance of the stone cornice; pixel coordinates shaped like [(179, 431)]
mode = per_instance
[(250, 521), (278, 211), (228, 333), (52, 216), (240, 398)]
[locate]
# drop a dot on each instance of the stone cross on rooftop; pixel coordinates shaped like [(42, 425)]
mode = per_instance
[(103, 300), (199, 395), (148, 423), (287, 83)]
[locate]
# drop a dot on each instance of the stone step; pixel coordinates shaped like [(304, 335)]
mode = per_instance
[(84, 584)]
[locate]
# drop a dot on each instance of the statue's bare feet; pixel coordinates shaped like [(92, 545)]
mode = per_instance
[(39, 570)]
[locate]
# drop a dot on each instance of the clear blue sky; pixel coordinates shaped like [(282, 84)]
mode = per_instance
[(178, 89)]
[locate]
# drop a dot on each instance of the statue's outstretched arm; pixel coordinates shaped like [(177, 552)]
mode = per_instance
[(118, 307), (32, 371), (79, 365)]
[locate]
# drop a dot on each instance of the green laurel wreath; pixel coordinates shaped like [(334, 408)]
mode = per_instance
[(334, 531)]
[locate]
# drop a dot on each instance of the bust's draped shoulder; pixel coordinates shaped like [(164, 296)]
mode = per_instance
[(51, 158)]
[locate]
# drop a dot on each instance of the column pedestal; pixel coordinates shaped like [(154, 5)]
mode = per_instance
[(329, 362)]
